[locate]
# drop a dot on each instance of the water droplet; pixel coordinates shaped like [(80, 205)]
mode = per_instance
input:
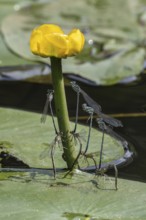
[(90, 42)]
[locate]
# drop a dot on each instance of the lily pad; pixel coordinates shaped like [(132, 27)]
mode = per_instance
[(97, 21), (29, 138), (110, 71), (40, 197), (31, 72), (36, 195), (7, 58)]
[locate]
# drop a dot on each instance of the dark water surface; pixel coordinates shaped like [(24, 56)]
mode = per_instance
[(122, 101)]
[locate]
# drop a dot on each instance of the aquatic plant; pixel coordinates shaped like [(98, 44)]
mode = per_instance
[(48, 40)]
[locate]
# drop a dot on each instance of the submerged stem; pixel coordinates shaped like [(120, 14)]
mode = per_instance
[(62, 112)]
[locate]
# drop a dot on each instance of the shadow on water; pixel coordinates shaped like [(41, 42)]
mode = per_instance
[(117, 100)]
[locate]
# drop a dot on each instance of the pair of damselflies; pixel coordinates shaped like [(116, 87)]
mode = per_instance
[(105, 122), (96, 108)]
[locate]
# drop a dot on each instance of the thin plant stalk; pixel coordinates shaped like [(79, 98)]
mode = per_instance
[(62, 112)]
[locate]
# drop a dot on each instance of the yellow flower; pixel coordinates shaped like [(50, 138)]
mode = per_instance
[(48, 40)]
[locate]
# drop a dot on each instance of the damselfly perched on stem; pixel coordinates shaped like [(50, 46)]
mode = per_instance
[(80, 151), (79, 135), (97, 108), (109, 130), (48, 104), (102, 126), (57, 140), (90, 156), (77, 89), (105, 128), (50, 150), (90, 111)]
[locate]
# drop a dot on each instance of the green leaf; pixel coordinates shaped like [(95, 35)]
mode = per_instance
[(40, 197), (6, 56), (129, 62), (97, 20), (36, 195), (30, 138)]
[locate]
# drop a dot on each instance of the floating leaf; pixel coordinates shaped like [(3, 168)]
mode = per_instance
[(40, 197), (110, 71), (36, 195), (97, 20), (25, 72), (7, 58), (29, 138)]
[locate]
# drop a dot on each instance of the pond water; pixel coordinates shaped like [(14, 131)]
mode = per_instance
[(125, 101)]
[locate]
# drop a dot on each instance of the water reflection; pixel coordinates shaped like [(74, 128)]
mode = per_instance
[(135, 129)]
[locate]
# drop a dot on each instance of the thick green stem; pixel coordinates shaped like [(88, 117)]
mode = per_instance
[(62, 112)]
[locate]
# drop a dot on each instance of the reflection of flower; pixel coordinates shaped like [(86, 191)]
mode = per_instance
[(49, 40)]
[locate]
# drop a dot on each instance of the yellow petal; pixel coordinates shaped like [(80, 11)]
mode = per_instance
[(49, 28), (76, 42), (49, 40), (39, 44), (35, 40), (55, 45)]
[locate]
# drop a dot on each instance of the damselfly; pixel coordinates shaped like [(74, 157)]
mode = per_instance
[(91, 156), (102, 173), (97, 108), (79, 153), (76, 88), (107, 129), (102, 126), (79, 135), (90, 111), (48, 104), (50, 150)]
